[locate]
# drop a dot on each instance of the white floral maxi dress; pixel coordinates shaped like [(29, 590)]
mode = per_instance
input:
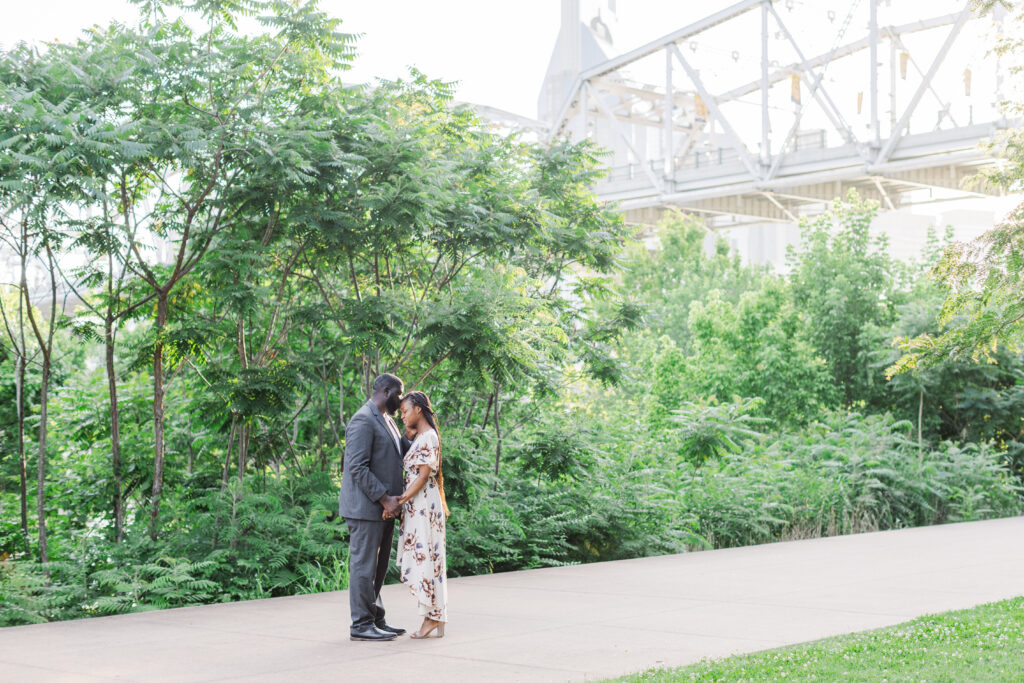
[(422, 561)]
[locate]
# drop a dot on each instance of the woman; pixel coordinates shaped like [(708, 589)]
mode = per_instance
[(422, 560)]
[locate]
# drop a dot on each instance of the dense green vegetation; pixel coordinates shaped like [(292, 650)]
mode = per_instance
[(243, 244), (979, 644)]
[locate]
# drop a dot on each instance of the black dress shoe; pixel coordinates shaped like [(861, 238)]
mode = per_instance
[(390, 629), (371, 633)]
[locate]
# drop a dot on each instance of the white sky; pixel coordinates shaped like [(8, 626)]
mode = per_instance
[(497, 50)]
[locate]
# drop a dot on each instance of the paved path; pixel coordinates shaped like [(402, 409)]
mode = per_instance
[(566, 623)]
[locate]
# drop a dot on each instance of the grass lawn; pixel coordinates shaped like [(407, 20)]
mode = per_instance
[(985, 643)]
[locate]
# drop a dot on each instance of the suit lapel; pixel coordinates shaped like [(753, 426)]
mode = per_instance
[(383, 424)]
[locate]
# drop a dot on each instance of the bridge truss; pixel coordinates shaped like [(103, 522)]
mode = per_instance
[(760, 112)]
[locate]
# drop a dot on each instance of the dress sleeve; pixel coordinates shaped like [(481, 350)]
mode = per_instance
[(424, 451)]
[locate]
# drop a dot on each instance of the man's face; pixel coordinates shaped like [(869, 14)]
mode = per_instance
[(394, 399)]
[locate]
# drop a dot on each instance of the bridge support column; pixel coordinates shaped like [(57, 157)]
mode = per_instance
[(766, 132), (667, 143), (876, 138)]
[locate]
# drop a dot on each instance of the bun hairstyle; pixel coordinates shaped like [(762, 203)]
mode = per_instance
[(419, 399)]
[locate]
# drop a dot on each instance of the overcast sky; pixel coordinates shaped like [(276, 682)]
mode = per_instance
[(498, 51)]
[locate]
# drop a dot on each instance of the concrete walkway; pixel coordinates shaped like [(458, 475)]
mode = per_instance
[(567, 623)]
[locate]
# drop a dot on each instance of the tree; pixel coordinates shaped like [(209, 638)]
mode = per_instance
[(984, 304), (847, 286), (759, 348), (14, 326), (682, 270), (200, 119), (40, 176)]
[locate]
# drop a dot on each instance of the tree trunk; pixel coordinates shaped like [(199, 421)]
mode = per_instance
[(920, 414), (158, 415), (487, 412), (46, 348), (320, 445), (330, 417), (41, 470), (341, 396), (227, 460), (497, 434), (243, 431), (367, 375), (243, 452), (469, 415), (19, 392), (115, 428)]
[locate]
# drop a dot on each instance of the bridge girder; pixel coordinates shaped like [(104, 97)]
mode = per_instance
[(702, 164)]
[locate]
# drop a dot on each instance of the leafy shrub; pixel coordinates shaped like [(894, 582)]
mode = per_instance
[(847, 473)]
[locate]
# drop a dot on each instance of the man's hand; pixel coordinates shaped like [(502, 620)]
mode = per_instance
[(391, 506)]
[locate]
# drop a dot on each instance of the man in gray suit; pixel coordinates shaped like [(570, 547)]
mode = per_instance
[(371, 483)]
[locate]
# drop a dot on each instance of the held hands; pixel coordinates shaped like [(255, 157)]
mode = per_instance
[(392, 507)]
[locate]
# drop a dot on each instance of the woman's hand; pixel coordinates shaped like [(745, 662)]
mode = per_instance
[(401, 500)]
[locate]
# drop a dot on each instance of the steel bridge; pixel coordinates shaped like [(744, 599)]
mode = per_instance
[(766, 110)]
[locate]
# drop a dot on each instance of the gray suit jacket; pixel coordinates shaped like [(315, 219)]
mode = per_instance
[(373, 465)]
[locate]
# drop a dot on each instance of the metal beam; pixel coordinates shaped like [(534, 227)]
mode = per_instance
[(873, 88), (917, 68), (638, 120), (823, 100), (712, 105), (641, 159), (735, 10), (585, 110), (837, 53), (667, 146), (645, 50), (892, 85), (617, 86), (574, 95), (770, 197), (897, 134), (495, 114), (689, 195), (766, 150), (801, 198), (921, 184), (671, 38), (881, 191)]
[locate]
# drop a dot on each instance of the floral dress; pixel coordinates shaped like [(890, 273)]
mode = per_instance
[(422, 561)]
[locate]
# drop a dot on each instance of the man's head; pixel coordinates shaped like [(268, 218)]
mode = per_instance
[(387, 393)]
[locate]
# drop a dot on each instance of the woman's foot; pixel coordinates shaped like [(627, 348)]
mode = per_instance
[(429, 626)]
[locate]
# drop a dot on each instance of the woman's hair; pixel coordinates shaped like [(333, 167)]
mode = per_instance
[(418, 398)]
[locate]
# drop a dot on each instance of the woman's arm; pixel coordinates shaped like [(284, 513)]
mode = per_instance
[(422, 474)]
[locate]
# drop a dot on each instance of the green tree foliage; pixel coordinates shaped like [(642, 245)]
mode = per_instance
[(759, 347), (847, 286), (685, 266), (984, 296), (957, 398)]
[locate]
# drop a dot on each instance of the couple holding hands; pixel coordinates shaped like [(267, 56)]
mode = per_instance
[(389, 475)]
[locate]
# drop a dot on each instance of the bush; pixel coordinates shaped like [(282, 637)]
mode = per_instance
[(847, 473)]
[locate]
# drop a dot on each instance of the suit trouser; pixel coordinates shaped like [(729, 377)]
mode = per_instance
[(369, 552)]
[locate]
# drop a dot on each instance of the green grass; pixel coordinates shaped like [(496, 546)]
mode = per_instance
[(985, 643)]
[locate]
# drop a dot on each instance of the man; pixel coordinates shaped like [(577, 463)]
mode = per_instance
[(370, 485)]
